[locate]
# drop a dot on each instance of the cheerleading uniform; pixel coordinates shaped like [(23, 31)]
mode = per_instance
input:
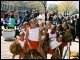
[(33, 38)]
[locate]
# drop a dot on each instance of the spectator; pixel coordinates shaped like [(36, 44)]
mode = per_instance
[(8, 18), (11, 23), (77, 31), (2, 19)]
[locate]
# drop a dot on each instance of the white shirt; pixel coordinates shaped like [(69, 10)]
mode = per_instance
[(51, 35), (34, 34), (21, 43), (54, 43), (41, 16)]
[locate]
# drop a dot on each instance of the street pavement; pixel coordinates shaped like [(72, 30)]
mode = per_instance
[(5, 52)]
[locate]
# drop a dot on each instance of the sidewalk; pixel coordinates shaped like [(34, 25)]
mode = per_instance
[(5, 53)]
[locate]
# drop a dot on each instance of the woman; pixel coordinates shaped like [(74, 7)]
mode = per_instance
[(8, 17), (11, 23), (18, 22)]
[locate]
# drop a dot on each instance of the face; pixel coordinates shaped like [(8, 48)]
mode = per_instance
[(44, 32), (21, 38), (33, 24), (2, 14), (16, 13), (64, 17), (10, 13), (48, 14), (41, 24), (64, 26), (48, 25), (25, 26), (54, 17), (57, 28), (60, 16)]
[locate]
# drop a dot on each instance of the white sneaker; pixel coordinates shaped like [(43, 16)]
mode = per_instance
[(49, 56), (76, 39)]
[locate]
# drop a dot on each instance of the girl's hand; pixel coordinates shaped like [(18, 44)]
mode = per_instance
[(30, 47)]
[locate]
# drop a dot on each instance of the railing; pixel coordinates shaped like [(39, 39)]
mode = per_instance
[(68, 51)]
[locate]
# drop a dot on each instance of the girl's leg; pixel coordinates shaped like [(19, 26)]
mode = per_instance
[(13, 56), (20, 55), (41, 51)]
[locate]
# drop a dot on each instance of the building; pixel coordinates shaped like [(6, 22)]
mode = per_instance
[(7, 5)]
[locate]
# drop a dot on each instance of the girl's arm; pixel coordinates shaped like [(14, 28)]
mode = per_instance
[(40, 38), (27, 33)]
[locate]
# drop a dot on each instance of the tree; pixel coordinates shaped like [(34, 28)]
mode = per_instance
[(74, 11), (65, 6), (54, 8), (36, 5)]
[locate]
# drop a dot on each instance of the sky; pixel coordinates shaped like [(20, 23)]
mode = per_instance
[(53, 2)]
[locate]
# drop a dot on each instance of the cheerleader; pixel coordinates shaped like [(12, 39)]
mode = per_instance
[(24, 27), (22, 43), (53, 38), (33, 37), (41, 25), (45, 40), (18, 46)]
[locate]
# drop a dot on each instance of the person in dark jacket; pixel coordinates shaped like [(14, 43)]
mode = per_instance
[(26, 18), (72, 26), (77, 31)]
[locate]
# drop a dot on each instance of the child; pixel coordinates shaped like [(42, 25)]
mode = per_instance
[(67, 36), (59, 33), (53, 38), (33, 37), (20, 39), (17, 47), (45, 40), (11, 23), (41, 25), (25, 27)]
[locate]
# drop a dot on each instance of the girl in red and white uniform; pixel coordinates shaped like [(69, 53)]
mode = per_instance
[(21, 39), (22, 36), (53, 37), (33, 37)]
